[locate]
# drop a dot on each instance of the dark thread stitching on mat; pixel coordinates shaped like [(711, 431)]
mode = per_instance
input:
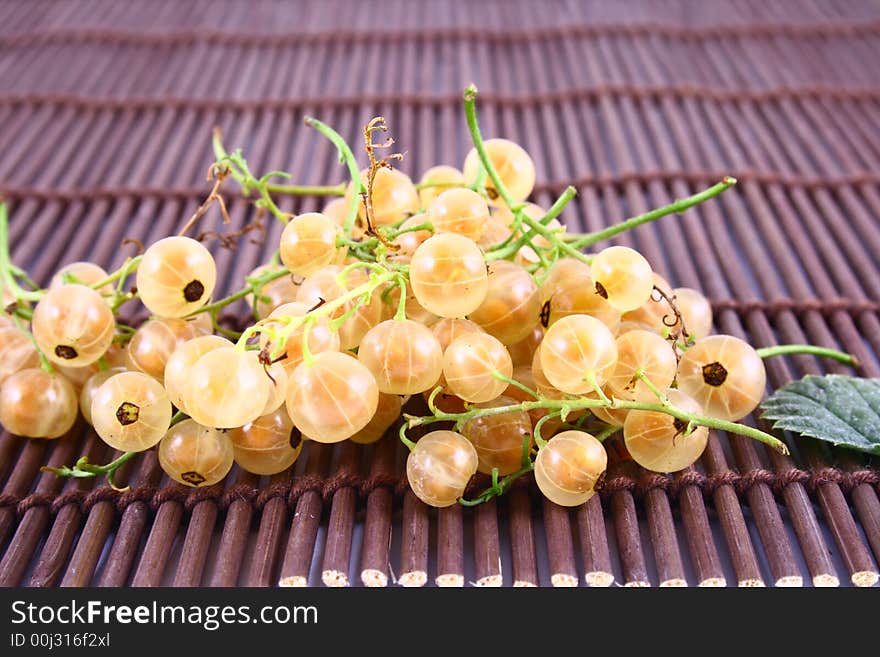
[(800, 306), (870, 178), (277, 490), (375, 482), (647, 28), (154, 497), (590, 94), (306, 483), (239, 493), (691, 478), (339, 481)]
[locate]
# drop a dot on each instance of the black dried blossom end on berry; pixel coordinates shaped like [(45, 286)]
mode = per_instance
[(545, 314), (65, 351), (295, 438), (192, 477), (601, 291), (127, 413), (714, 374), (193, 291)]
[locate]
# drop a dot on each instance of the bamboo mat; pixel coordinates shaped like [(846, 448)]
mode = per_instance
[(106, 111)]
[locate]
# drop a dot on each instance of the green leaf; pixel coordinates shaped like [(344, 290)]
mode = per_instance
[(841, 410)]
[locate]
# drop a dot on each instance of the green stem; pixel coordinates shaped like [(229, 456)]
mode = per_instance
[(308, 190), (507, 249), (785, 349), (257, 284), (676, 207), (640, 374), (539, 439), (470, 113), (584, 402), (550, 234), (6, 267), (498, 487), (537, 226), (406, 441), (83, 469), (411, 229), (120, 274), (238, 168), (45, 365), (513, 382), (348, 158), (400, 315), (279, 338), (307, 356), (20, 273), (606, 433), (591, 379)]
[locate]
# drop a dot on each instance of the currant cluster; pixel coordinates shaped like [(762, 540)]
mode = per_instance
[(454, 289)]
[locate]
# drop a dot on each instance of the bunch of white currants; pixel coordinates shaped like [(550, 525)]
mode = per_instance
[(445, 291)]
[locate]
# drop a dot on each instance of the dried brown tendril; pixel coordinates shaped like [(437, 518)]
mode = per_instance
[(672, 319), (376, 124), (217, 175), (230, 240)]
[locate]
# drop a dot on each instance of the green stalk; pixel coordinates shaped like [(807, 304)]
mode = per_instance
[(260, 282), (45, 365), (577, 404), (120, 274), (279, 338), (349, 160), (308, 190), (238, 168), (83, 469), (6, 267), (537, 226), (470, 113), (786, 349), (676, 207)]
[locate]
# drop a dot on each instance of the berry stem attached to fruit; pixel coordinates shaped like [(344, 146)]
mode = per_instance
[(470, 113), (509, 247), (119, 276), (279, 337), (513, 382), (640, 375), (499, 487), (540, 441), (179, 416), (254, 286), (569, 405), (538, 227), (45, 365), (606, 433)]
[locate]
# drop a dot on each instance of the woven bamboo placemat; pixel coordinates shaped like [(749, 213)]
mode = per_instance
[(106, 111)]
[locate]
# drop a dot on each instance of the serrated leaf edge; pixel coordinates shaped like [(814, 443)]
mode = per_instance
[(810, 379)]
